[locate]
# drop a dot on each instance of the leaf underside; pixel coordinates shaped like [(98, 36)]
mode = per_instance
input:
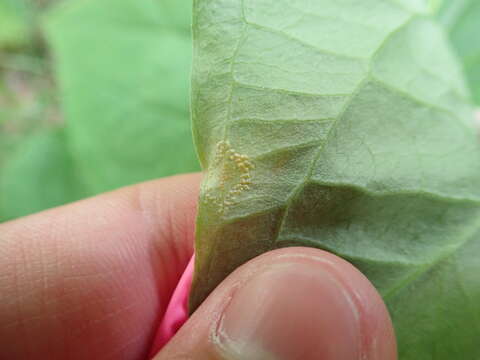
[(342, 125), (461, 19)]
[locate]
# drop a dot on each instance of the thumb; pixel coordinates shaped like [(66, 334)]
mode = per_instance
[(294, 303)]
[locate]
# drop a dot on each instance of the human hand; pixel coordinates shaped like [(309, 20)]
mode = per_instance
[(91, 280)]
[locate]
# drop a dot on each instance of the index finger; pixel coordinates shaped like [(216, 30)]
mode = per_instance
[(92, 279)]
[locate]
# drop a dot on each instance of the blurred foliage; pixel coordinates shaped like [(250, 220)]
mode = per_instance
[(462, 20), (435, 5), (125, 87), (28, 102), (15, 17), (123, 69), (41, 174), (27, 105)]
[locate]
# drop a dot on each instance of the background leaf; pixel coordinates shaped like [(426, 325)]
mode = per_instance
[(435, 5), (37, 176), (462, 20), (15, 16), (125, 87), (30, 119), (123, 69), (344, 126)]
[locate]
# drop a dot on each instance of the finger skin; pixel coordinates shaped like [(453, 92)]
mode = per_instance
[(90, 280), (199, 338)]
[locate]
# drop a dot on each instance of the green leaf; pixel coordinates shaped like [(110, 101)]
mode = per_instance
[(38, 176), (28, 104), (342, 125), (15, 16), (462, 20), (124, 68), (435, 5)]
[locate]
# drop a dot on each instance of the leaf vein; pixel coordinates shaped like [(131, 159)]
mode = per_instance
[(296, 191)]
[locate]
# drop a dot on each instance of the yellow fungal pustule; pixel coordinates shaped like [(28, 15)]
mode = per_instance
[(228, 177)]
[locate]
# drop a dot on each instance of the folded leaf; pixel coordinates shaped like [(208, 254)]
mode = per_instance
[(342, 125)]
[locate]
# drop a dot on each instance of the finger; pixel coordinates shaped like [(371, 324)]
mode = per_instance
[(90, 280), (294, 303)]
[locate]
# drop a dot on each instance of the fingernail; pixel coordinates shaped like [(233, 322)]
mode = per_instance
[(290, 311)]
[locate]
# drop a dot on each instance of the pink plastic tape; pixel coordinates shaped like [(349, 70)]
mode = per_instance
[(177, 311)]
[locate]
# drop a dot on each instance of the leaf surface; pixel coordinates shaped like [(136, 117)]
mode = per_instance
[(344, 126), (14, 23), (39, 175), (462, 20)]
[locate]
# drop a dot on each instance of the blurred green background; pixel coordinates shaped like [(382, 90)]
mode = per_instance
[(94, 94)]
